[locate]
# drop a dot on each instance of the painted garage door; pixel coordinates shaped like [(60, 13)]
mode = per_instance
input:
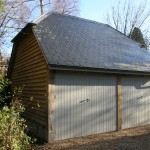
[(136, 102), (84, 105)]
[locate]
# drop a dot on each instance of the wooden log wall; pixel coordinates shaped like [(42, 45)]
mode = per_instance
[(30, 72)]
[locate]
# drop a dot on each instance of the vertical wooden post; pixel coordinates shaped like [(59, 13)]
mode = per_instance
[(119, 92), (51, 107)]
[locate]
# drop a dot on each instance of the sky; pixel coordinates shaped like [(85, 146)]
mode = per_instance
[(97, 9), (90, 9), (94, 9)]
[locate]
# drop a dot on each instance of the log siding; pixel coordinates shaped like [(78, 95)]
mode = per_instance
[(30, 71)]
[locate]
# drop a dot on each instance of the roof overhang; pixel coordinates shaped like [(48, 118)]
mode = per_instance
[(23, 31), (100, 70)]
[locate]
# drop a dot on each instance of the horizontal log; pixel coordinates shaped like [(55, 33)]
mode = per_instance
[(29, 58), (30, 70)]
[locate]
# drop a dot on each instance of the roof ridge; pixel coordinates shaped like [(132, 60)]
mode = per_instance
[(43, 16), (80, 18), (67, 15)]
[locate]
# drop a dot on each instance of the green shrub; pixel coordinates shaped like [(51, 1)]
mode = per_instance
[(5, 88), (13, 128)]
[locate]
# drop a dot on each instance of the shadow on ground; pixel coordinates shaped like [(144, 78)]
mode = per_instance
[(131, 139)]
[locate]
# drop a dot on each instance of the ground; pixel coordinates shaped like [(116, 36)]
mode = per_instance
[(130, 139)]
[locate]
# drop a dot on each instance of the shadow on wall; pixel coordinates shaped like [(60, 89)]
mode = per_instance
[(79, 117), (136, 104)]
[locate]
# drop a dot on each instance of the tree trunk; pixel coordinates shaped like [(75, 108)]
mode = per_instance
[(42, 7)]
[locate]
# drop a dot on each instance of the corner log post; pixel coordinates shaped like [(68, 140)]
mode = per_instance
[(51, 107), (119, 103)]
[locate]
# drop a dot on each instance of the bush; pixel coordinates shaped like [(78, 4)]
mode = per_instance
[(5, 88), (13, 128)]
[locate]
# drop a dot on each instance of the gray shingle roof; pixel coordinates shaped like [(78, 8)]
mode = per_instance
[(76, 42)]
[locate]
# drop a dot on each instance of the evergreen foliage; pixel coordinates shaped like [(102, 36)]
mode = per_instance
[(137, 36), (5, 88)]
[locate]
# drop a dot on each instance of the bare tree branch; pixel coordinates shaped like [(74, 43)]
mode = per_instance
[(14, 16), (66, 6), (124, 16)]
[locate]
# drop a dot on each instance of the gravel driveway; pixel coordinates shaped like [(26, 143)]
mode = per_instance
[(130, 139)]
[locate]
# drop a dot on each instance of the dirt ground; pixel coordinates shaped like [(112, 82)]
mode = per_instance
[(130, 139)]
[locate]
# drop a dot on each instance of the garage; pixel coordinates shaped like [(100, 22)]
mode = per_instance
[(136, 101), (85, 105), (85, 77)]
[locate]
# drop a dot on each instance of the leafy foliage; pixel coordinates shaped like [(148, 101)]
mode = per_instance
[(137, 36), (5, 95), (1, 5), (12, 126)]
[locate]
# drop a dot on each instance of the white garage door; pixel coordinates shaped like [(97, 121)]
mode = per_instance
[(136, 102), (84, 105)]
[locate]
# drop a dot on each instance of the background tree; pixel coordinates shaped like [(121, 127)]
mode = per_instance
[(62, 6), (70, 7), (15, 14), (137, 36), (37, 6), (42, 7), (13, 17), (126, 15)]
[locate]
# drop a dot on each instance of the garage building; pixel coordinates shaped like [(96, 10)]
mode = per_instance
[(84, 77)]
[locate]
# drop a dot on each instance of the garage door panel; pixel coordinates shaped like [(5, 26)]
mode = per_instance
[(84, 105), (136, 106)]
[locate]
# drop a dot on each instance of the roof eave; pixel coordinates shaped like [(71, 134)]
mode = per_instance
[(100, 70)]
